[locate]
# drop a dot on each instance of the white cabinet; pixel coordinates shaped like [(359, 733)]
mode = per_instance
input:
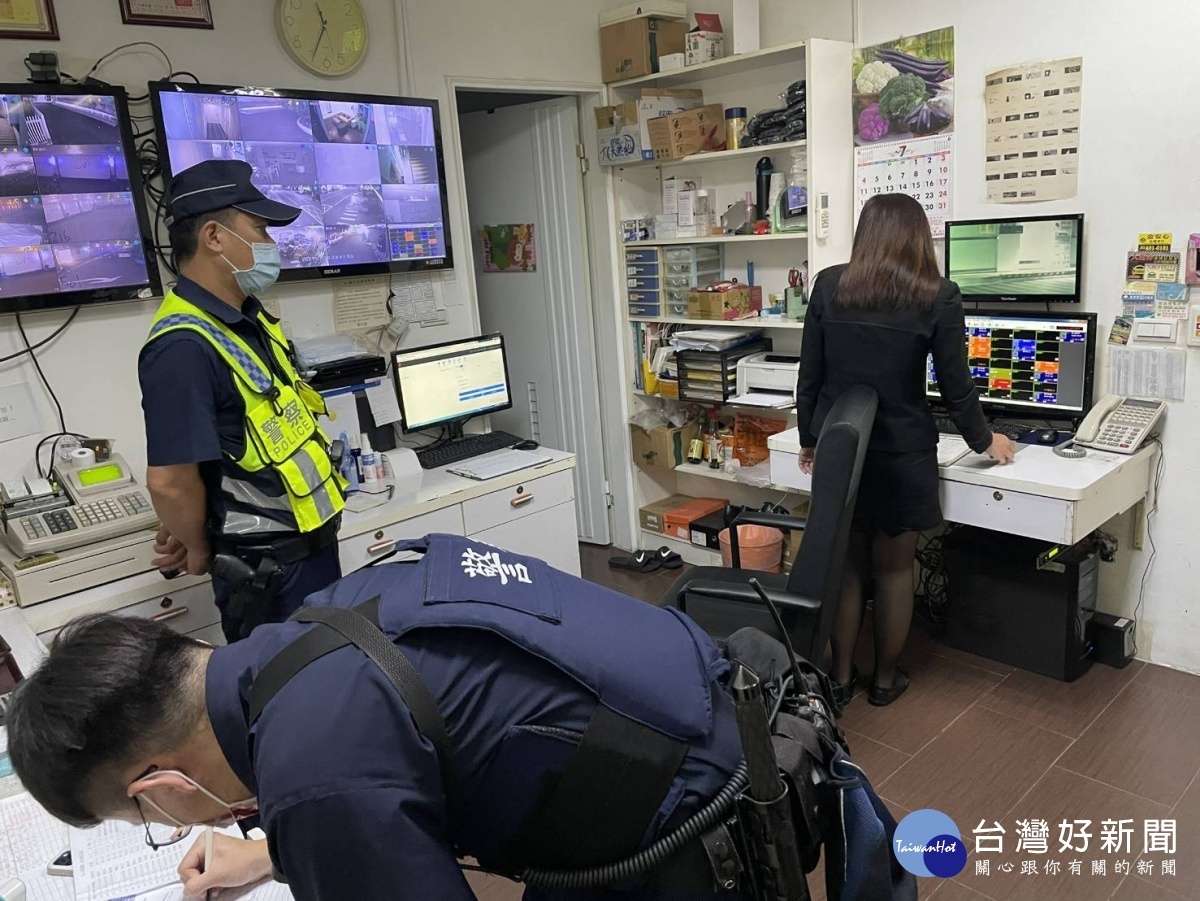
[(190, 610), (549, 534), (358, 551)]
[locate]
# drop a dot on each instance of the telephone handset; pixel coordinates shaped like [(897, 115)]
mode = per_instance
[(1120, 424)]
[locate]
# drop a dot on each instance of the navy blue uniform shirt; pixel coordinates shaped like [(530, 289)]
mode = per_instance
[(350, 794)]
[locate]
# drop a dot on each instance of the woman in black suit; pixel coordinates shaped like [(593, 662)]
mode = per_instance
[(877, 321)]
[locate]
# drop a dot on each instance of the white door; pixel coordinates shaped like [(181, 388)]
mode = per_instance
[(521, 168)]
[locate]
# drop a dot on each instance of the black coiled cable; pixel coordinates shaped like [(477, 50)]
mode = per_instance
[(647, 859)]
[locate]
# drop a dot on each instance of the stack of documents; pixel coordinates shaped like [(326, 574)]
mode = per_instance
[(496, 464), (714, 338), (766, 399)]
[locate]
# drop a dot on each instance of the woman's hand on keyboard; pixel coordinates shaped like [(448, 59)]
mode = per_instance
[(235, 862)]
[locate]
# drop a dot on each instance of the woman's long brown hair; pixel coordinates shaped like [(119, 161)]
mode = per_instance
[(892, 263)]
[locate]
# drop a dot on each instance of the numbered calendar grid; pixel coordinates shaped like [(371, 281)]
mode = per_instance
[(921, 168)]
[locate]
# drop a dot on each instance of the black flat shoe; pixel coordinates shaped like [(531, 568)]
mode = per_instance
[(843, 692), (881, 697)]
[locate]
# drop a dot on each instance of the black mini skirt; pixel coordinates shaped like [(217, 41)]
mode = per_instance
[(898, 493)]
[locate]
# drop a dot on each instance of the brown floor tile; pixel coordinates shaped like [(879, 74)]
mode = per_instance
[(976, 768), (1135, 889), (876, 760), (1186, 880), (1163, 679), (939, 693), (937, 645), (1064, 707), (1147, 742), (1059, 796), (949, 890)]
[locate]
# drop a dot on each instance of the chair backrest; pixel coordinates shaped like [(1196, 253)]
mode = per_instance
[(821, 560)]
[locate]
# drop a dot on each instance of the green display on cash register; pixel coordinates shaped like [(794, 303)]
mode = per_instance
[(98, 475)]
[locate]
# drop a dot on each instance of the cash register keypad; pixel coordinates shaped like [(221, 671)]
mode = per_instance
[(90, 514)]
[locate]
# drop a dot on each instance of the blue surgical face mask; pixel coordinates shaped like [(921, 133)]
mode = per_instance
[(265, 271)]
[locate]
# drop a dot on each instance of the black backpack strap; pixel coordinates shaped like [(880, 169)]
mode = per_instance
[(360, 627), (601, 806)]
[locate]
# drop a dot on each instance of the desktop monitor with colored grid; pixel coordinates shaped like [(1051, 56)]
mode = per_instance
[(1039, 366)]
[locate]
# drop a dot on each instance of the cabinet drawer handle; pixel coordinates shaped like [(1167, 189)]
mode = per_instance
[(382, 547), (169, 614), (521, 501)]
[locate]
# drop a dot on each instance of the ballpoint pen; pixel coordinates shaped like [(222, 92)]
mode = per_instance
[(208, 851)]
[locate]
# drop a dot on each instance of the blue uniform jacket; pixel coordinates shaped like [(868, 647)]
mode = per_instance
[(517, 655)]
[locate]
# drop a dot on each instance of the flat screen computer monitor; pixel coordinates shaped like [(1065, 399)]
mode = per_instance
[(73, 226), (447, 384), (366, 171), (1036, 365), (1034, 259)]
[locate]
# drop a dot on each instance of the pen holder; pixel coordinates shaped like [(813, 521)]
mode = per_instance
[(796, 302)]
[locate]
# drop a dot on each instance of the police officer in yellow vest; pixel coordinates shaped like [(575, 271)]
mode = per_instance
[(239, 470)]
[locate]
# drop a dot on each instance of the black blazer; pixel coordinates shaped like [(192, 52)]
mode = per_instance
[(887, 349)]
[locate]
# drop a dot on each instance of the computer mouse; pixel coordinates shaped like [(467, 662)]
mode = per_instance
[(527, 444), (1047, 436)]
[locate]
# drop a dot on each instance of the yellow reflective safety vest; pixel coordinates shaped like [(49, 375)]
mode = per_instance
[(282, 436)]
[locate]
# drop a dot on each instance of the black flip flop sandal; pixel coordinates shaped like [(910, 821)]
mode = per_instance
[(881, 697), (668, 558), (641, 562)]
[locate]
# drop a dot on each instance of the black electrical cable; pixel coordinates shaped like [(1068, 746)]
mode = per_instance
[(58, 331), (98, 63), (62, 423)]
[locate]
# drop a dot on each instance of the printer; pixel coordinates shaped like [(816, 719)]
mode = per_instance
[(769, 373)]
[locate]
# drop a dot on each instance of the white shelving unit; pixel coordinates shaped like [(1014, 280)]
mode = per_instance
[(754, 81), (721, 239)]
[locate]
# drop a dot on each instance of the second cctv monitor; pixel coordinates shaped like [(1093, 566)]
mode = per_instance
[(366, 172)]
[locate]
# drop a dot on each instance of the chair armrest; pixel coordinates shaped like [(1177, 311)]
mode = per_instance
[(782, 521), (739, 591)]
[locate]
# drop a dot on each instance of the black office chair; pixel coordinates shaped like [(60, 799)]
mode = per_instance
[(722, 600)]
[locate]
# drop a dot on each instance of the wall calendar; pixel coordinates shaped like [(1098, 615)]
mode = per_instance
[(920, 167)]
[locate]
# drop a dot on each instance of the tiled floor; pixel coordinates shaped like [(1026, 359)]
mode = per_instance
[(980, 740)]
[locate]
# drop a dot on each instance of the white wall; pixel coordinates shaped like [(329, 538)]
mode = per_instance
[(1129, 181), (93, 366)]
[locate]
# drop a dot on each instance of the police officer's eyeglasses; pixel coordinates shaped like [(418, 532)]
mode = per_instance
[(159, 836)]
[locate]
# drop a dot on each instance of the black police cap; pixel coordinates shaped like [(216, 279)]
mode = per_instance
[(218, 185)]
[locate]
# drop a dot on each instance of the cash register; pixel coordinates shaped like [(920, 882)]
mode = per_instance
[(79, 505)]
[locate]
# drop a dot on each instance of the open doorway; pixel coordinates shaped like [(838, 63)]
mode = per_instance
[(526, 201)]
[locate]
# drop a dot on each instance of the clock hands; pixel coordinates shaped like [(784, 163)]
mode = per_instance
[(324, 28)]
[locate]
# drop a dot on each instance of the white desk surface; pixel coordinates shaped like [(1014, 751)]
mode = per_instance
[(1036, 469), (435, 489)]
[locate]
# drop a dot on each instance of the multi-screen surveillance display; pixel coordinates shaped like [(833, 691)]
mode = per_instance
[(365, 174), (69, 215)]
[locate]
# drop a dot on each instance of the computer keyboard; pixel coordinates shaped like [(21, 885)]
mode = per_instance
[(464, 448), (1011, 430)]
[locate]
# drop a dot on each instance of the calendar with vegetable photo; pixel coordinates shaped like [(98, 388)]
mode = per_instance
[(904, 89)]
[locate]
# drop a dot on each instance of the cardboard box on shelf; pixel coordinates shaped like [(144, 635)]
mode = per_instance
[(657, 103), (734, 301), (662, 446), (698, 130), (651, 515), (705, 42), (677, 523), (620, 139), (631, 49)]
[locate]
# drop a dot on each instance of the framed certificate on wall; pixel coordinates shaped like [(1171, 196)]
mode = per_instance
[(28, 18), (178, 13)]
